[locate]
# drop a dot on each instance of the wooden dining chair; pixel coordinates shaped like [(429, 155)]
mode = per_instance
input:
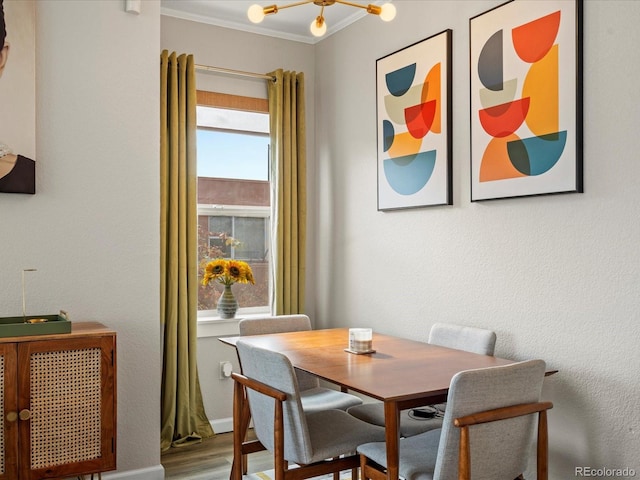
[(319, 442), (486, 434), (416, 421), (314, 397)]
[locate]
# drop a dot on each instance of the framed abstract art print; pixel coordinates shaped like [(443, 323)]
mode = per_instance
[(526, 99), (413, 90)]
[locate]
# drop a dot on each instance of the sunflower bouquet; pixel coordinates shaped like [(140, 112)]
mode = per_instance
[(227, 272)]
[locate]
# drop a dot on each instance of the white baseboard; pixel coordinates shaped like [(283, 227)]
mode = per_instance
[(149, 473), (222, 425)]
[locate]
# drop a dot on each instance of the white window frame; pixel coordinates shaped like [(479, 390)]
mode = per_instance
[(209, 323)]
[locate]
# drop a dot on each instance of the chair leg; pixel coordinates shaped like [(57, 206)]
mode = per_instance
[(363, 464), (240, 409), (369, 470), (543, 446)]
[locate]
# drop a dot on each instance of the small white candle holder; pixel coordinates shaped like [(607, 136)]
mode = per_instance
[(360, 341)]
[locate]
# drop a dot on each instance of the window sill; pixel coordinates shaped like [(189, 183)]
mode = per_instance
[(214, 326)]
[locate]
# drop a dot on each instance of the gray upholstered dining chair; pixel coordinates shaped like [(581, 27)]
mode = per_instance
[(470, 339), (319, 442), (486, 434), (314, 397)]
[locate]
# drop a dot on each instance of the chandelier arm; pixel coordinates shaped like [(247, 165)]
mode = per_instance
[(369, 8), (293, 5)]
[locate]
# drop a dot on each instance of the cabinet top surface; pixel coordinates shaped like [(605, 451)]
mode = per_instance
[(77, 329)]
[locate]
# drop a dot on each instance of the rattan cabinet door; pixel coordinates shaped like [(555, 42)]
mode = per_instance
[(67, 407), (8, 413)]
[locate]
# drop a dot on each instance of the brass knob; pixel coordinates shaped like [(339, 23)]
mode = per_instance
[(25, 414), (12, 416)]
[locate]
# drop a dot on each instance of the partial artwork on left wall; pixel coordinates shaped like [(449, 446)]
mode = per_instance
[(17, 97)]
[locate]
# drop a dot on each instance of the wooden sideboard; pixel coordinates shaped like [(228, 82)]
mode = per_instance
[(58, 403)]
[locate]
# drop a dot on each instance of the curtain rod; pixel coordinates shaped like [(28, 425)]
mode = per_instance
[(235, 72)]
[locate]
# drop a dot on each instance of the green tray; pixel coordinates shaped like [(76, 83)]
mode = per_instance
[(17, 327)]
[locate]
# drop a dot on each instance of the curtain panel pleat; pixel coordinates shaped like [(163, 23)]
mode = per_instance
[(183, 416), (289, 191)]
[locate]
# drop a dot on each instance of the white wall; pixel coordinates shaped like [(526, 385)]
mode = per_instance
[(91, 230), (556, 276), (232, 49)]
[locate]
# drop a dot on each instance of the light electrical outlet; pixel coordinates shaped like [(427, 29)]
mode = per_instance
[(225, 370)]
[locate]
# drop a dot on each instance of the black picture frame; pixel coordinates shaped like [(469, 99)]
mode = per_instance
[(414, 124), (526, 100)]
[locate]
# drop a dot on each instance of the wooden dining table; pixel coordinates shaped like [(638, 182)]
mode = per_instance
[(401, 373)]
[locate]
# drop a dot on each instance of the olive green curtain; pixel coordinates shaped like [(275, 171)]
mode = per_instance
[(289, 191), (183, 416)]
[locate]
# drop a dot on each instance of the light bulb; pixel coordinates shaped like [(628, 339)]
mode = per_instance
[(388, 12), (255, 13), (318, 27)]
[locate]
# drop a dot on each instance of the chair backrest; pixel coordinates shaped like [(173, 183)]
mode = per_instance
[(499, 449), (275, 369), (274, 324), (281, 324), (469, 339)]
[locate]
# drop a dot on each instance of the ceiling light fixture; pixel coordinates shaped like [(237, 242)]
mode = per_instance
[(256, 13)]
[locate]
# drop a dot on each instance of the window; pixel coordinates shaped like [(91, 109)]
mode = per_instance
[(253, 229), (233, 195)]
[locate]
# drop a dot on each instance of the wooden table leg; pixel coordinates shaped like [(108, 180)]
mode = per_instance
[(392, 437)]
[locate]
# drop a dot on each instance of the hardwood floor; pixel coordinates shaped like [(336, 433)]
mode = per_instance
[(209, 460)]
